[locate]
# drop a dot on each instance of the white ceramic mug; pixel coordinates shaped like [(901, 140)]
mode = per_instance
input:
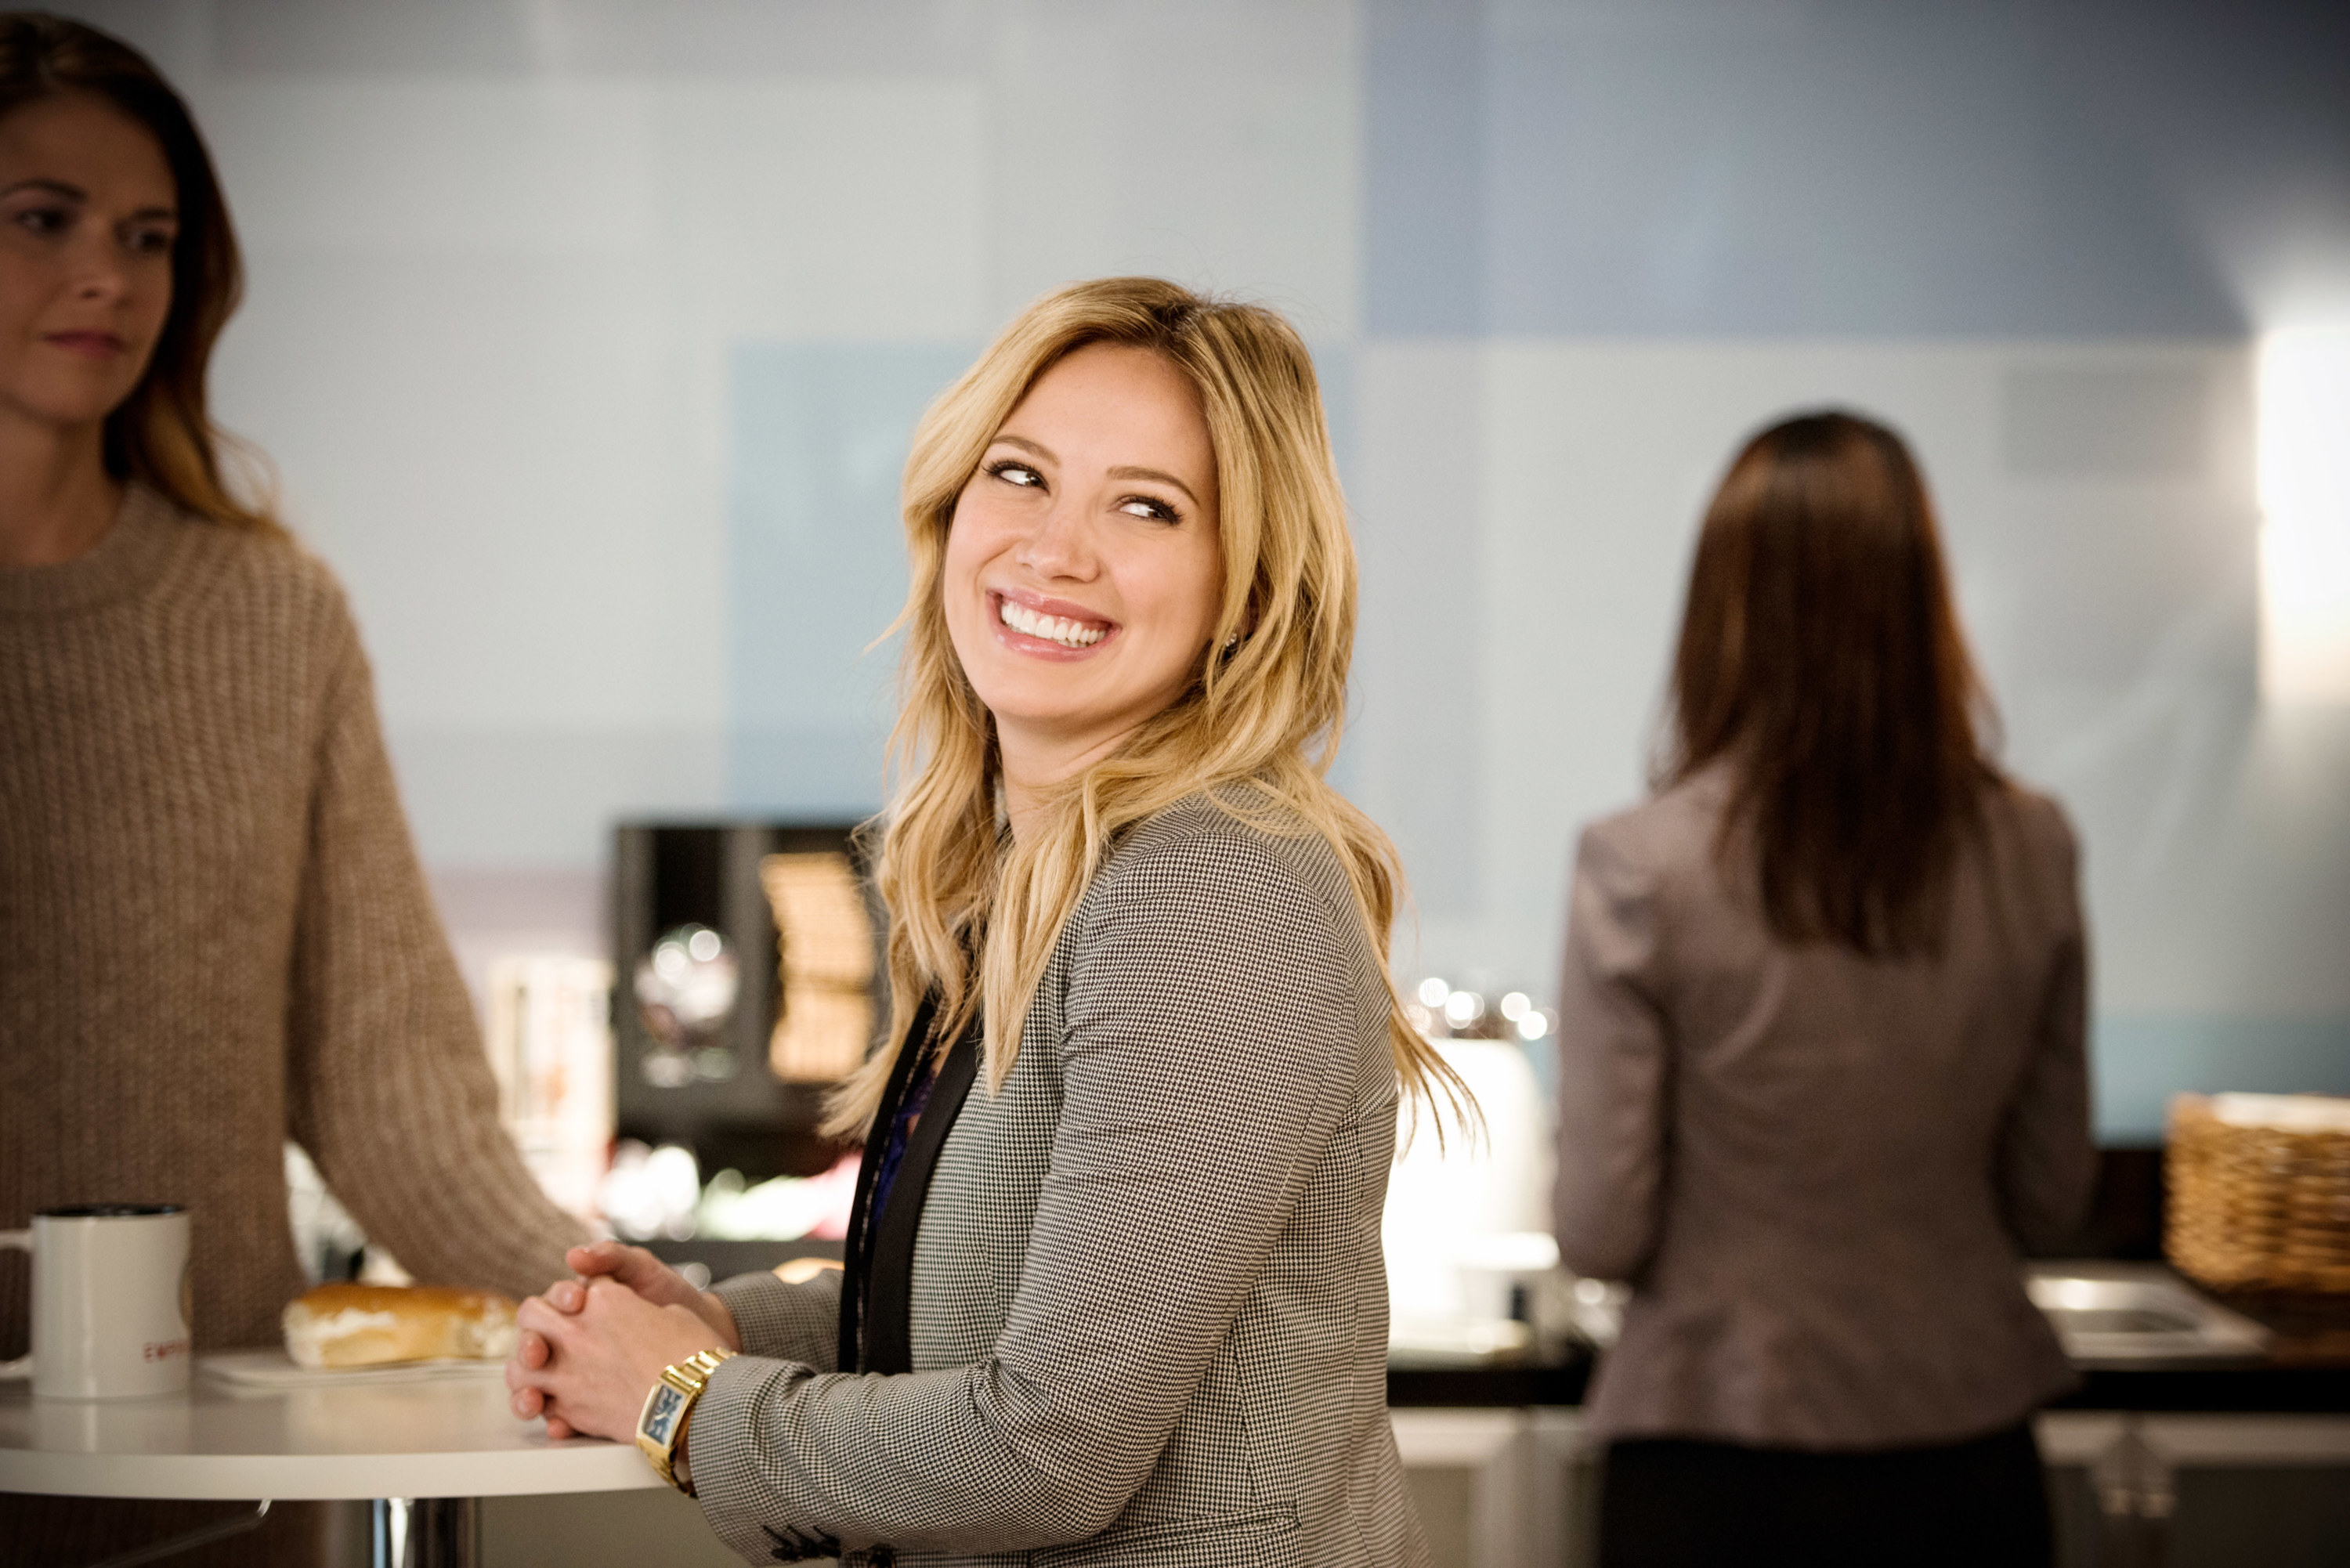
[(110, 1301)]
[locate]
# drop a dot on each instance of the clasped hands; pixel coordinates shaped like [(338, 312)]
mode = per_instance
[(589, 1349)]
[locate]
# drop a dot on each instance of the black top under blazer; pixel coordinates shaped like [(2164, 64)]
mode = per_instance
[(1148, 1305), (877, 1283)]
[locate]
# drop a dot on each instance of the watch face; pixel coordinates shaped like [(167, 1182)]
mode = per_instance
[(660, 1416)]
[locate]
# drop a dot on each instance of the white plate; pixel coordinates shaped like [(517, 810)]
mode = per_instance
[(276, 1369)]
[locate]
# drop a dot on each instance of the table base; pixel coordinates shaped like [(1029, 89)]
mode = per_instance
[(425, 1531)]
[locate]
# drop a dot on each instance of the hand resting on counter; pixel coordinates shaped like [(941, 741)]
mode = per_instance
[(589, 1349)]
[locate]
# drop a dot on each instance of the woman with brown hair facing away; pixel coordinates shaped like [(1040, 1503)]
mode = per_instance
[(1114, 1290), (216, 934), (1820, 1063)]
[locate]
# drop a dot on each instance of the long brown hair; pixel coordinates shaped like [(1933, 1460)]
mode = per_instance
[(973, 918), (162, 435), (1821, 657)]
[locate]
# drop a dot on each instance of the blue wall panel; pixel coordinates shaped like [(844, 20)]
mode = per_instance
[(816, 562), (1693, 167), (1423, 169), (2142, 1060)]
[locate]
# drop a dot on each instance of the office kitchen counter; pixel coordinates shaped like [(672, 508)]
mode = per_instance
[(2304, 1370)]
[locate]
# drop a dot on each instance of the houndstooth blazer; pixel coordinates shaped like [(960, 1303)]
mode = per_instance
[(1148, 1307)]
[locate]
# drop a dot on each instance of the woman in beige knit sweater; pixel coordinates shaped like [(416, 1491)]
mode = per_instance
[(215, 932)]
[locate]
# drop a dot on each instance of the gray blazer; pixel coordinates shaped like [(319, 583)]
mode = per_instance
[(1149, 1315), (1817, 1171)]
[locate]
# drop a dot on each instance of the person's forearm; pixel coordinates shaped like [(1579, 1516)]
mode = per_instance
[(387, 1084)]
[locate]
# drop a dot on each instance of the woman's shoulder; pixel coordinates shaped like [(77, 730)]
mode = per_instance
[(2041, 817), (2024, 822), (1674, 829), (266, 560), (1205, 896), (246, 573), (1231, 852)]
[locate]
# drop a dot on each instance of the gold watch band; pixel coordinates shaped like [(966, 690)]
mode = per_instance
[(668, 1407)]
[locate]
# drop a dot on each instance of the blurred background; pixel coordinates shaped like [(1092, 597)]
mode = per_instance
[(587, 337)]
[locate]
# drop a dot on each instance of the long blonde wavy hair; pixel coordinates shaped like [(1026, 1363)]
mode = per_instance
[(973, 913)]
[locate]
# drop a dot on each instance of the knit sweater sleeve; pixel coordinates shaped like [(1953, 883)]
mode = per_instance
[(388, 1085)]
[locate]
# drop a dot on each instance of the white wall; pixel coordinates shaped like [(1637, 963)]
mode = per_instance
[(587, 333), (490, 330)]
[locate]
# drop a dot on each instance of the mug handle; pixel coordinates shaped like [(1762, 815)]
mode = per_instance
[(23, 1365)]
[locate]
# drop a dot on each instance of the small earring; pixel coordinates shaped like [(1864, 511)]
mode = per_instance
[(1232, 642)]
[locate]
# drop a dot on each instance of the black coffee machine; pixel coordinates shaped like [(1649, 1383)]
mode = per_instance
[(691, 900)]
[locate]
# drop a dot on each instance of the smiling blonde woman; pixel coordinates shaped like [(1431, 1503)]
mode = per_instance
[(1114, 1290)]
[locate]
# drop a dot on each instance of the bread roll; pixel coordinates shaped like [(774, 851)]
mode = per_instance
[(367, 1325)]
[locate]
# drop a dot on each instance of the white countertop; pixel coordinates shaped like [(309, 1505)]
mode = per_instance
[(450, 1437)]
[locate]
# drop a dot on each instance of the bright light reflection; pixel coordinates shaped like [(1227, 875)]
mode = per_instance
[(2304, 482)]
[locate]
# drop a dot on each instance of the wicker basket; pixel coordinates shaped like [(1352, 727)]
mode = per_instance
[(2255, 1208)]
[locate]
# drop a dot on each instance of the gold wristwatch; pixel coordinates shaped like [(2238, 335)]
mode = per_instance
[(660, 1425)]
